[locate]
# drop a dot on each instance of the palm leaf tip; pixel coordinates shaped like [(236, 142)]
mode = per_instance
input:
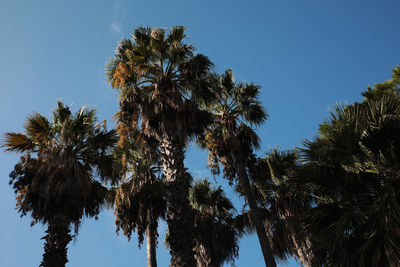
[(16, 142), (177, 34), (37, 127)]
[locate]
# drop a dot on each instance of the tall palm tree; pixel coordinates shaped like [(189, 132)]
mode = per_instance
[(140, 200), (216, 237), (161, 82), (55, 179), (231, 142), (353, 168), (285, 202)]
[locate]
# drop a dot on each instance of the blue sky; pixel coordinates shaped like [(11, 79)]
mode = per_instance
[(306, 55)]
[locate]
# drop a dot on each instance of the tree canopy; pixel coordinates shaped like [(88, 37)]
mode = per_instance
[(333, 201)]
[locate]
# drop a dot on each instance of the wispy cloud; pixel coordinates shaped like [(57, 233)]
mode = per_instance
[(115, 24)]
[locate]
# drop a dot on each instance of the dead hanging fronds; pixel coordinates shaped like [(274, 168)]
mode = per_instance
[(120, 75)]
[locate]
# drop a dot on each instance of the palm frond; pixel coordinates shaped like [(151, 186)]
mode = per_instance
[(38, 128), (17, 142), (176, 34), (61, 113), (57, 176)]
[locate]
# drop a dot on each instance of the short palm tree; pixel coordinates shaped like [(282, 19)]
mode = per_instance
[(231, 141), (55, 180), (285, 202), (216, 237), (352, 168), (140, 199), (161, 82)]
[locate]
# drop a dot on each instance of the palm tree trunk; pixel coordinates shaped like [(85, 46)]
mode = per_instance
[(151, 241), (57, 238), (254, 212), (180, 217), (202, 257)]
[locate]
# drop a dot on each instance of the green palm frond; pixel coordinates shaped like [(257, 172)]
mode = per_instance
[(280, 163), (396, 75), (38, 128), (142, 193), (283, 203), (61, 113), (234, 112), (249, 137), (84, 119), (351, 171), (177, 34), (216, 236), (210, 200), (141, 35), (157, 74), (64, 159), (227, 82)]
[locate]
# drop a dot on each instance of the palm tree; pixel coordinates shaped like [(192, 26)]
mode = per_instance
[(216, 237), (140, 200), (231, 142), (285, 202), (389, 88), (353, 168), (161, 82), (55, 179)]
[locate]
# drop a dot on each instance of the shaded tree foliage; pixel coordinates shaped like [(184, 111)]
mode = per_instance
[(231, 141), (216, 238), (140, 199), (56, 178), (161, 83), (352, 168), (285, 202)]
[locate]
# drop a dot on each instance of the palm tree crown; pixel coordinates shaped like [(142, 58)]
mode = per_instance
[(160, 79), (162, 83), (231, 141), (236, 110), (216, 237), (352, 168), (280, 193), (55, 180), (140, 199)]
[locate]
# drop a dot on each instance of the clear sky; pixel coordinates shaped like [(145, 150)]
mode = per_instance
[(307, 56)]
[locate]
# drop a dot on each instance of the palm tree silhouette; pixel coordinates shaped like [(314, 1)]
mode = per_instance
[(56, 178)]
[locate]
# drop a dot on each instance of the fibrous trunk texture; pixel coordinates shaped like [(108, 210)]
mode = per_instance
[(254, 212), (303, 249), (56, 242), (151, 241), (203, 258), (180, 217)]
